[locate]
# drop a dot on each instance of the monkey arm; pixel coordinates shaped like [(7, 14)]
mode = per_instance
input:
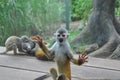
[(49, 53), (81, 59), (42, 45), (73, 60)]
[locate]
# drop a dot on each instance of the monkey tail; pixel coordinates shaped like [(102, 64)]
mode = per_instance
[(43, 77)]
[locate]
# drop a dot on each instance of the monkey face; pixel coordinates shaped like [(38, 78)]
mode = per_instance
[(27, 47), (61, 38), (27, 44), (61, 35)]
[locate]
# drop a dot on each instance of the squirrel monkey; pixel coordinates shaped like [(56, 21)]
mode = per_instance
[(62, 54), (23, 44)]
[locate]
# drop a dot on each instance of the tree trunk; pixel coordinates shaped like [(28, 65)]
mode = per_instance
[(102, 29)]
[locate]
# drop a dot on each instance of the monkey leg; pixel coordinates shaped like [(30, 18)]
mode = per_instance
[(54, 74), (62, 77), (15, 49), (4, 52)]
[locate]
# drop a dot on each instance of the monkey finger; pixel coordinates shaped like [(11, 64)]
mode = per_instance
[(86, 57), (86, 61), (40, 38), (34, 38), (83, 55), (37, 36)]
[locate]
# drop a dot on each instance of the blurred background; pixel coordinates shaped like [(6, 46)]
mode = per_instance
[(43, 17)]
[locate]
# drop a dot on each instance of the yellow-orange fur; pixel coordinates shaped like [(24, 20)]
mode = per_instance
[(40, 53)]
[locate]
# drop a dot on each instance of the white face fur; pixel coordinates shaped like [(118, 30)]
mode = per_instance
[(61, 35)]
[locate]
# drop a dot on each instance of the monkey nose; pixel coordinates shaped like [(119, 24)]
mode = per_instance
[(28, 48), (60, 40)]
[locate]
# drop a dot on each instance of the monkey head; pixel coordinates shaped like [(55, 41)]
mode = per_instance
[(26, 44), (61, 35)]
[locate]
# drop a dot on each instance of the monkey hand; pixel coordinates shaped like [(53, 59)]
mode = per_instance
[(37, 39), (82, 59)]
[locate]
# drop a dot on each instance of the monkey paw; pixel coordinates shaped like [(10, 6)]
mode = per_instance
[(38, 39), (82, 59)]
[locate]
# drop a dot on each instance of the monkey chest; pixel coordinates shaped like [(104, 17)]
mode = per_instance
[(60, 55)]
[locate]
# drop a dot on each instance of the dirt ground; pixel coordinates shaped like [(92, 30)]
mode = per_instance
[(73, 25)]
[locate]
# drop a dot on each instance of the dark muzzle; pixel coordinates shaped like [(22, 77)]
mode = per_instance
[(61, 40)]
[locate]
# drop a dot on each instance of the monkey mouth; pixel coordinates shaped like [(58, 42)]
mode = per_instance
[(60, 40)]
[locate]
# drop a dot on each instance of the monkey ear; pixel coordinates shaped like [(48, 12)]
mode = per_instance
[(67, 35)]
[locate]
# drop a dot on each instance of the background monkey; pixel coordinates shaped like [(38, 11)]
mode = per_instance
[(62, 55), (23, 44), (26, 45)]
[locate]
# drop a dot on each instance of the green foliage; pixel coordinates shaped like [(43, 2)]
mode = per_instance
[(81, 9), (28, 17), (73, 34), (81, 47), (117, 8)]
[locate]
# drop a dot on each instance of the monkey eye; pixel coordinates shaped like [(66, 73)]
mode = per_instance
[(58, 35), (63, 35)]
